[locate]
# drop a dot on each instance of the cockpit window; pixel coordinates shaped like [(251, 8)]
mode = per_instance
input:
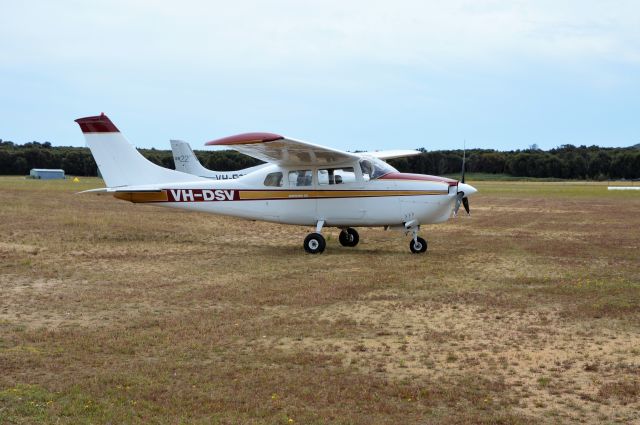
[(273, 179), (373, 168)]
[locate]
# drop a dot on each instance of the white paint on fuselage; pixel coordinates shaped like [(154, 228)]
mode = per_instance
[(344, 211)]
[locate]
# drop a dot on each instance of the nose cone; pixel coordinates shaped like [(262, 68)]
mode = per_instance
[(467, 189)]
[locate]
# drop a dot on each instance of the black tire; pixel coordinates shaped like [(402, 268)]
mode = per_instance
[(314, 243), (418, 246), (349, 237)]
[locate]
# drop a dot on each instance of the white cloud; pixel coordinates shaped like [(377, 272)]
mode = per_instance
[(354, 70), (288, 33)]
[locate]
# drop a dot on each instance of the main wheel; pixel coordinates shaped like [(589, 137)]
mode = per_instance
[(349, 237), (418, 246), (314, 243)]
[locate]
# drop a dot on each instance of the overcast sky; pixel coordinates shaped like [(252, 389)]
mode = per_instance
[(502, 74)]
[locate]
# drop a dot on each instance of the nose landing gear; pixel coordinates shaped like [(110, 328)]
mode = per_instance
[(418, 245)]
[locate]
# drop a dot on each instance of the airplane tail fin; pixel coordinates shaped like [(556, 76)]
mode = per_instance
[(119, 161), (186, 161)]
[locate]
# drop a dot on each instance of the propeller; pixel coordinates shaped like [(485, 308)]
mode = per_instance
[(460, 198)]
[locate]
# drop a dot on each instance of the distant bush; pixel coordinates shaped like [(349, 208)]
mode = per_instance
[(564, 162)]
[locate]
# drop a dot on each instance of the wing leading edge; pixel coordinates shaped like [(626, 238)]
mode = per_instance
[(280, 150), (391, 154)]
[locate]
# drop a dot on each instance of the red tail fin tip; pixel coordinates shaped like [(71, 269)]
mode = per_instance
[(97, 124)]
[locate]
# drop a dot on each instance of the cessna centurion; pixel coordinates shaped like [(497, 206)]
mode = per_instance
[(303, 184)]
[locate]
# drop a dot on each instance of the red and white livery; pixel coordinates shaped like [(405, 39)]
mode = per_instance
[(302, 184)]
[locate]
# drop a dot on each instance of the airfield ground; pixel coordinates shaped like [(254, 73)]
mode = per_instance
[(110, 312)]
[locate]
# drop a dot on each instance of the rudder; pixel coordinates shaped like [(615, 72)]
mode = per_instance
[(119, 161)]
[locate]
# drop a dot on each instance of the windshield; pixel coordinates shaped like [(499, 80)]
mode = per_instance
[(373, 168)]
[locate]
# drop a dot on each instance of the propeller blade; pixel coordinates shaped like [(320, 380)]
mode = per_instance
[(465, 202), (459, 200)]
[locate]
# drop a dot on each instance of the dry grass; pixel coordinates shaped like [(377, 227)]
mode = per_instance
[(110, 312)]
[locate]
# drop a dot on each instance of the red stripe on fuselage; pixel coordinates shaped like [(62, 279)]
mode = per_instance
[(213, 195)]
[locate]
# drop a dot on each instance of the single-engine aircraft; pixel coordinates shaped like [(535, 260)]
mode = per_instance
[(187, 162), (305, 184)]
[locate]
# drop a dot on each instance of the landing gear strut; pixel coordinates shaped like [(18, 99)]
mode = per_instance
[(417, 245), (314, 243), (349, 237)]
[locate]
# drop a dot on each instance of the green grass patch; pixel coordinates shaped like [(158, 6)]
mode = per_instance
[(33, 404), (67, 185)]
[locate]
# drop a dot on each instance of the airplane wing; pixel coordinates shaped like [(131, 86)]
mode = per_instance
[(280, 150), (391, 154)]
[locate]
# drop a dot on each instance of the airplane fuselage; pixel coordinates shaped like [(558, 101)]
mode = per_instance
[(391, 199)]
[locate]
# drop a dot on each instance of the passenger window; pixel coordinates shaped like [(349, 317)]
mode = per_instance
[(273, 179), (300, 178), (327, 176)]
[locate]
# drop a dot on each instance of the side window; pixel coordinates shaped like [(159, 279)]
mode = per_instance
[(367, 169), (300, 178), (327, 176), (273, 179)]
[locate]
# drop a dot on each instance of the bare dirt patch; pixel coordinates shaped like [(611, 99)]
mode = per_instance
[(528, 311)]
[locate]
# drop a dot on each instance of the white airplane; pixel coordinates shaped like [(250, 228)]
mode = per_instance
[(187, 162), (289, 190)]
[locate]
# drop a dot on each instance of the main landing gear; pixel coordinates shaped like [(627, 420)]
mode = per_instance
[(349, 237), (315, 243)]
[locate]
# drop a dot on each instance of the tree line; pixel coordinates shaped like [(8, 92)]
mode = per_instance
[(564, 162)]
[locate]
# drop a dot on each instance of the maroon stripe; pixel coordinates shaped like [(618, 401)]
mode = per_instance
[(245, 138), (208, 195), (98, 124)]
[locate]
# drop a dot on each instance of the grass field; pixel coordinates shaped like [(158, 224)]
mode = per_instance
[(526, 312)]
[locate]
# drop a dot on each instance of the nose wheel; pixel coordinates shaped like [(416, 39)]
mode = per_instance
[(349, 237), (418, 245)]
